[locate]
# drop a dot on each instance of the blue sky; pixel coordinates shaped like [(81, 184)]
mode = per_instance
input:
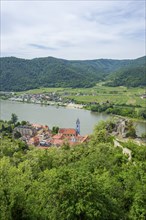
[(73, 29)]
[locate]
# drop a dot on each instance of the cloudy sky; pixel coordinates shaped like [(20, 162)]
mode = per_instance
[(73, 29)]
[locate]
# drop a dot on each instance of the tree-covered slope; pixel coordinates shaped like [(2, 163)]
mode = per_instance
[(131, 76), (93, 181), (21, 74)]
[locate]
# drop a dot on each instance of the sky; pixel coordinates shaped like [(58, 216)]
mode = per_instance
[(73, 30)]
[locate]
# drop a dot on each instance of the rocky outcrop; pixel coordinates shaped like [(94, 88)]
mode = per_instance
[(122, 128)]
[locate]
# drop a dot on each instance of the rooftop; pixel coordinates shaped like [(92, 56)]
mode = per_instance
[(67, 131)]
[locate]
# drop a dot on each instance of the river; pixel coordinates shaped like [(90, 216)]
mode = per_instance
[(56, 116)]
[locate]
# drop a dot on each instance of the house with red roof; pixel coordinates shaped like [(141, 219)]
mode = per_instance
[(44, 137), (67, 131)]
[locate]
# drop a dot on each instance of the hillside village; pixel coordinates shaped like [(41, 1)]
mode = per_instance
[(42, 137)]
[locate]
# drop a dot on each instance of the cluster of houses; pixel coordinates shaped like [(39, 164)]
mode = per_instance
[(42, 137), (51, 98), (37, 98)]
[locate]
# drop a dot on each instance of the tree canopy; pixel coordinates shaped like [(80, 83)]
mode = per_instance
[(94, 180), (14, 118)]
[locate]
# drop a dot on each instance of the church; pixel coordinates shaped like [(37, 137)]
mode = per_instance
[(71, 131)]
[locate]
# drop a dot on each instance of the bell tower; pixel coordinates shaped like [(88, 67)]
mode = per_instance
[(78, 126)]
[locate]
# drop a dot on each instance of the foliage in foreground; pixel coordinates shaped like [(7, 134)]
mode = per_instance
[(90, 181)]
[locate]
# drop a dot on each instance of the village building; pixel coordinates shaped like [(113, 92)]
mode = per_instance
[(67, 132), (25, 130), (41, 136), (78, 126)]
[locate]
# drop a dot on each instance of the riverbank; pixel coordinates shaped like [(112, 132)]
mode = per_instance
[(52, 103), (57, 116), (120, 101), (72, 106), (51, 115)]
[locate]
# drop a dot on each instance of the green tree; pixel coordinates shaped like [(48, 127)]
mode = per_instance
[(17, 134), (92, 181), (55, 129), (14, 118), (142, 113), (131, 132), (3, 127), (23, 122)]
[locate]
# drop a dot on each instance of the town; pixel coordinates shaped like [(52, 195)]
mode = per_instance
[(51, 98), (42, 137)]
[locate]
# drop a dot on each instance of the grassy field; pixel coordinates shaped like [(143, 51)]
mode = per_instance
[(117, 95)]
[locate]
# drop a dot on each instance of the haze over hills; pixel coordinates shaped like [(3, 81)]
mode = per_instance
[(21, 74)]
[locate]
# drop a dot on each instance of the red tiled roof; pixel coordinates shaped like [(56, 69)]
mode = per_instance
[(57, 136), (67, 131)]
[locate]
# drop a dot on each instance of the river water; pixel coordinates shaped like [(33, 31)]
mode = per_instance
[(56, 116)]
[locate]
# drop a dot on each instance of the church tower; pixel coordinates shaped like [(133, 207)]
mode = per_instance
[(78, 126)]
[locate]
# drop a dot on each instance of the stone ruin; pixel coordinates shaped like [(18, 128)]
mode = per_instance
[(120, 127)]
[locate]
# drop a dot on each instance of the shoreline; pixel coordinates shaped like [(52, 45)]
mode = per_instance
[(73, 106), (57, 104)]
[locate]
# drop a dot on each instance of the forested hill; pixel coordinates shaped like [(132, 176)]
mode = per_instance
[(131, 76), (21, 74)]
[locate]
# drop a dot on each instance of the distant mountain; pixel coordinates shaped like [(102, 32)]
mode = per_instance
[(22, 74)]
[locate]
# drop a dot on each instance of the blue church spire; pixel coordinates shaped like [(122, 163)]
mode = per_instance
[(78, 126)]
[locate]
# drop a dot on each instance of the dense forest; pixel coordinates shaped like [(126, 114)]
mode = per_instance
[(129, 77), (21, 74), (91, 181)]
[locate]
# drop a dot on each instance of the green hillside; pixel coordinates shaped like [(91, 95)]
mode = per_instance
[(130, 77), (92, 181), (21, 74)]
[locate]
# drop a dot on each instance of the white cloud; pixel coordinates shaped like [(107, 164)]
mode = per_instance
[(73, 29)]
